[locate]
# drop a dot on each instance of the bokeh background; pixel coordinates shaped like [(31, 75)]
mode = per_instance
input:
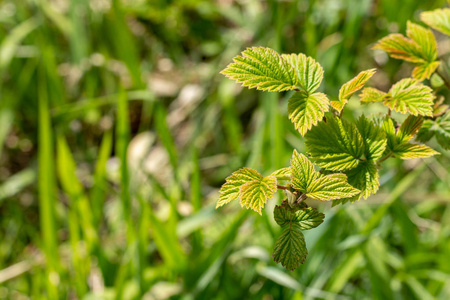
[(117, 130)]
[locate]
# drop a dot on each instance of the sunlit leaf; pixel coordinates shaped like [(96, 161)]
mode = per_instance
[(335, 144), (409, 151), (254, 194), (315, 185), (351, 87), (305, 111), (282, 174), (262, 68), (410, 96), (438, 19), (309, 72), (372, 95), (230, 190)]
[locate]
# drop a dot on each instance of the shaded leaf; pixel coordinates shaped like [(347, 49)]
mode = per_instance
[(305, 111), (409, 128), (290, 248)]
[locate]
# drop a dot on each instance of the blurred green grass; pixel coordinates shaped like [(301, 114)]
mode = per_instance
[(116, 132)]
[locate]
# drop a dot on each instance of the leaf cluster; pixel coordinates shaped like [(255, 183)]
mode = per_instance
[(348, 154)]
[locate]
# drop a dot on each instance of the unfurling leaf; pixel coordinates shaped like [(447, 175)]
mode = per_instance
[(315, 185), (351, 87), (250, 187), (438, 19), (309, 73), (410, 96), (262, 68), (290, 248), (408, 129), (306, 110)]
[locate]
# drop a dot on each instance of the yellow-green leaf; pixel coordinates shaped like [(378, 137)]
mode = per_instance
[(263, 69), (254, 194), (351, 87), (307, 110), (409, 151), (410, 96), (372, 95), (438, 19), (309, 73), (230, 190)]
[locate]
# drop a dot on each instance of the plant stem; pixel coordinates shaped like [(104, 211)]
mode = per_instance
[(301, 198), (385, 157), (282, 187)]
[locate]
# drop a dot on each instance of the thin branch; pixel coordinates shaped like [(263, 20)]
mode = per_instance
[(385, 157), (282, 187)]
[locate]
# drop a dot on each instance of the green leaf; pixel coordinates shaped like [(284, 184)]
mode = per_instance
[(282, 174), (329, 187), (387, 124), (263, 69), (307, 217), (309, 73), (351, 87), (373, 137), (409, 151), (318, 186), (425, 70), (335, 145), (438, 19), (424, 38), (303, 172), (306, 110), (418, 47), (410, 96), (372, 95), (254, 194), (290, 248), (408, 129), (230, 190), (365, 178), (440, 127)]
